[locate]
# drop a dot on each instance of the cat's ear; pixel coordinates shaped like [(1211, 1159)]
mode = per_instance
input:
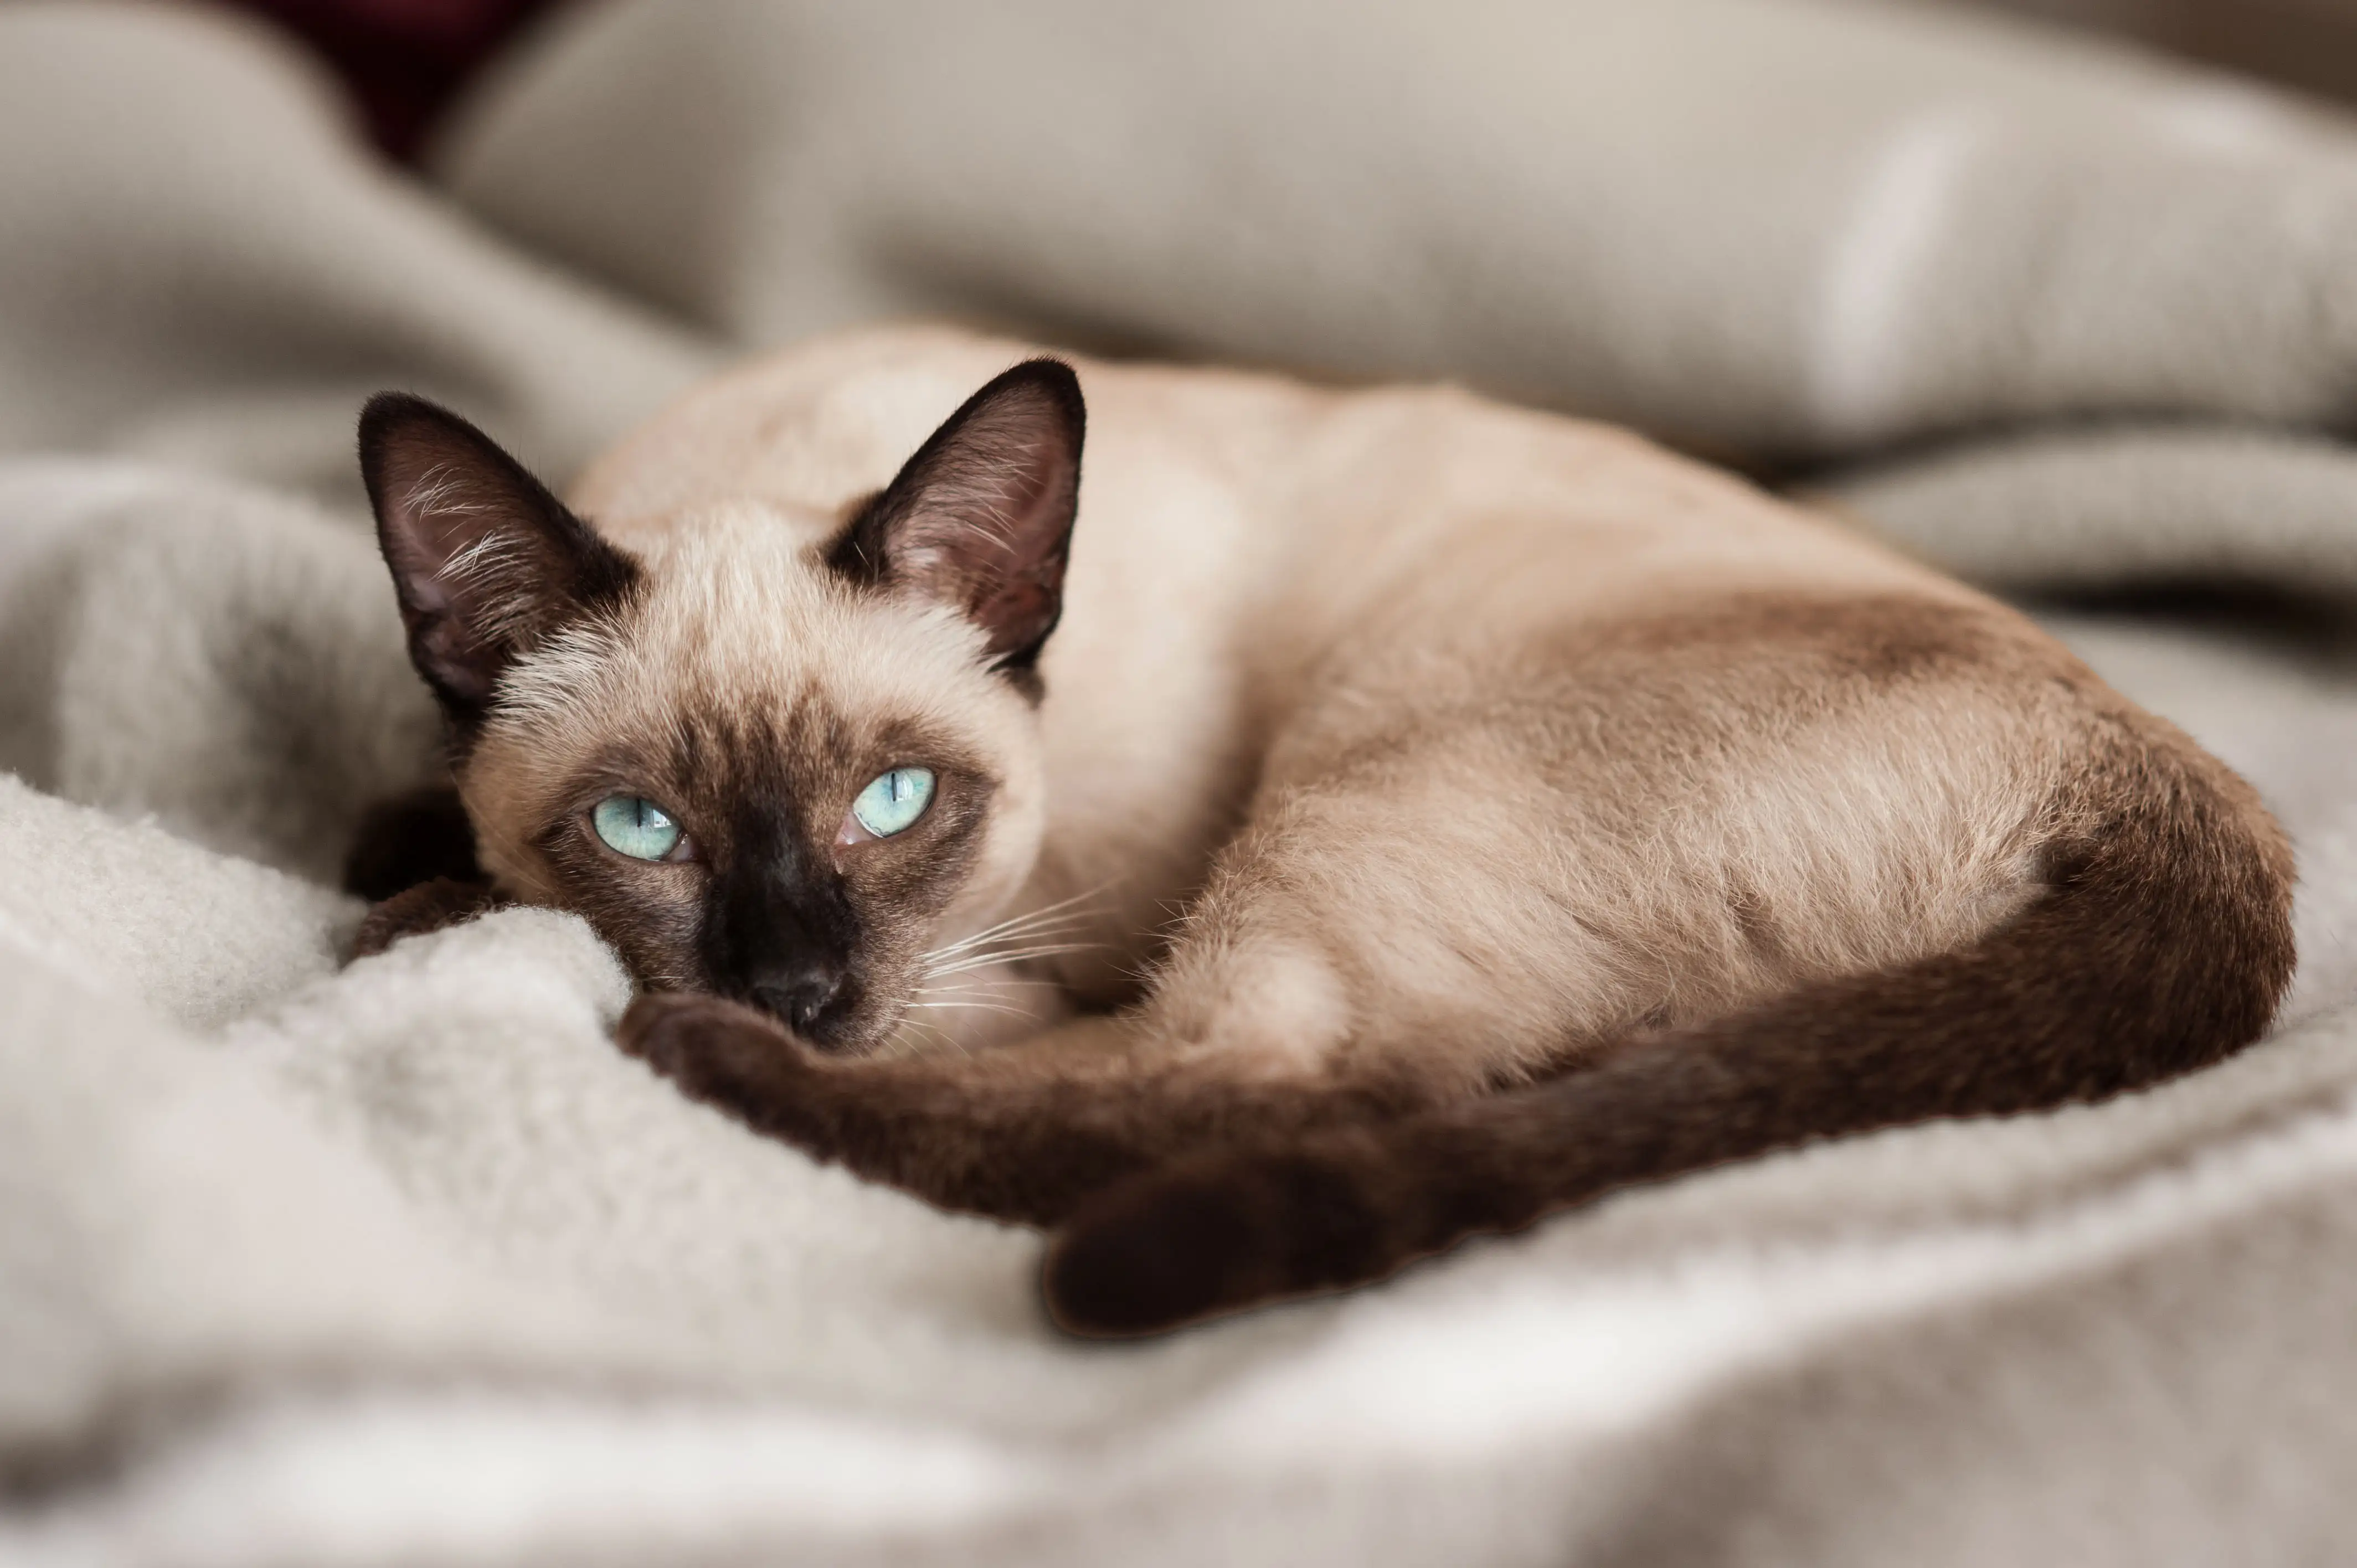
[(485, 562), (981, 518)]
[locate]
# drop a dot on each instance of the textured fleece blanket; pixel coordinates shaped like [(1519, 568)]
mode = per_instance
[(402, 1263)]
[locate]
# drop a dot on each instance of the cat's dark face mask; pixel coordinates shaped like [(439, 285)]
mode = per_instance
[(786, 757)]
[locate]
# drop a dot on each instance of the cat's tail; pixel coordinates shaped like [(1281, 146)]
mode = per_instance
[(2162, 944)]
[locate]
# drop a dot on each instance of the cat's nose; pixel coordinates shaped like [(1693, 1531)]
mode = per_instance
[(801, 997)]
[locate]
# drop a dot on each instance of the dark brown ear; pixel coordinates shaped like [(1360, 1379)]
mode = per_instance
[(485, 562), (981, 518)]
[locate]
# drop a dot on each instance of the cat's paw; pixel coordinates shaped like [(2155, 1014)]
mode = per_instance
[(428, 906), (717, 1052)]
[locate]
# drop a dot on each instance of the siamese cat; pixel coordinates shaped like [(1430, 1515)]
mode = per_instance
[(1347, 822)]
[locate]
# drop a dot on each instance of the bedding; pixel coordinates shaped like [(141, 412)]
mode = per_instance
[(403, 1262)]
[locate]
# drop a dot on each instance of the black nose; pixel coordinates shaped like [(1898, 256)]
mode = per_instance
[(803, 996)]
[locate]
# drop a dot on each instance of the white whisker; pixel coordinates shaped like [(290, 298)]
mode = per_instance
[(1019, 935), (1012, 930), (981, 988), (1030, 923), (978, 1006), (902, 1048), (984, 961)]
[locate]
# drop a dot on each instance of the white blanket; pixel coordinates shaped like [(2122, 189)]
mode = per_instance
[(405, 1264)]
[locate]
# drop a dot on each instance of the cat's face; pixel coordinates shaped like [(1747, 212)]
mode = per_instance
[(768, 756)]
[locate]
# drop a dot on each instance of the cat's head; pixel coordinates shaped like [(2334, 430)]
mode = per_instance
[(765, 754)]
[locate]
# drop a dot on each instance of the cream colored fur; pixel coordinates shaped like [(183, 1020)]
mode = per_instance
[(1325, 684)]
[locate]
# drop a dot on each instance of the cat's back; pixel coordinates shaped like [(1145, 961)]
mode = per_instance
[(1266, 474)]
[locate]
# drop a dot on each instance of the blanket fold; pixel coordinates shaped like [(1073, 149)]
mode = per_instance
[(402, 1262)]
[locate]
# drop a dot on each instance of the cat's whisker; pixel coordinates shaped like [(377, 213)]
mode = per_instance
[(1016, 946), (954, 999), (1046, 912), (1064, 911), (1047, 949), (1051, 946), (978, 987), (1028, 930), (1039, 934), (900, 1047), (977, 1007)]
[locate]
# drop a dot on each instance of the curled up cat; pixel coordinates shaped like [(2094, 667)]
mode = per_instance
[(1340, 824)]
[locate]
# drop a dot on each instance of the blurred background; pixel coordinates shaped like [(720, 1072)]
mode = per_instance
[(2308, 44), (405, 59)]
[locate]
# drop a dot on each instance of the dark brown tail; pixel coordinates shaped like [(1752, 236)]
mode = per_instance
[(2163, 946)]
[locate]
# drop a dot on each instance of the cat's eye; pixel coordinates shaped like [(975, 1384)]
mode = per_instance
[(893, 801), (636, 826)]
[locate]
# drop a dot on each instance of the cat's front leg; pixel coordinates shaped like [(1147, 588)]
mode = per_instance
[(978, 1141), (1026, 1132)]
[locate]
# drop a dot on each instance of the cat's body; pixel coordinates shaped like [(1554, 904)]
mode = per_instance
[(1396, 752), (1283, 599)]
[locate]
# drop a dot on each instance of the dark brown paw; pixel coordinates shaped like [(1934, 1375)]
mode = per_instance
[(720, 1052), (428, 906)]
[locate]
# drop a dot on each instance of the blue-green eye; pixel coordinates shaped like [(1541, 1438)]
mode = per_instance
[(893, 801), (636, 827)]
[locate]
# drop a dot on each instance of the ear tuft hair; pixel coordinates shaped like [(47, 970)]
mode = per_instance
[(485, 563), (981, 518)]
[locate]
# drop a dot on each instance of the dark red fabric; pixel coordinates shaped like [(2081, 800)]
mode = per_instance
[(403, 58)]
